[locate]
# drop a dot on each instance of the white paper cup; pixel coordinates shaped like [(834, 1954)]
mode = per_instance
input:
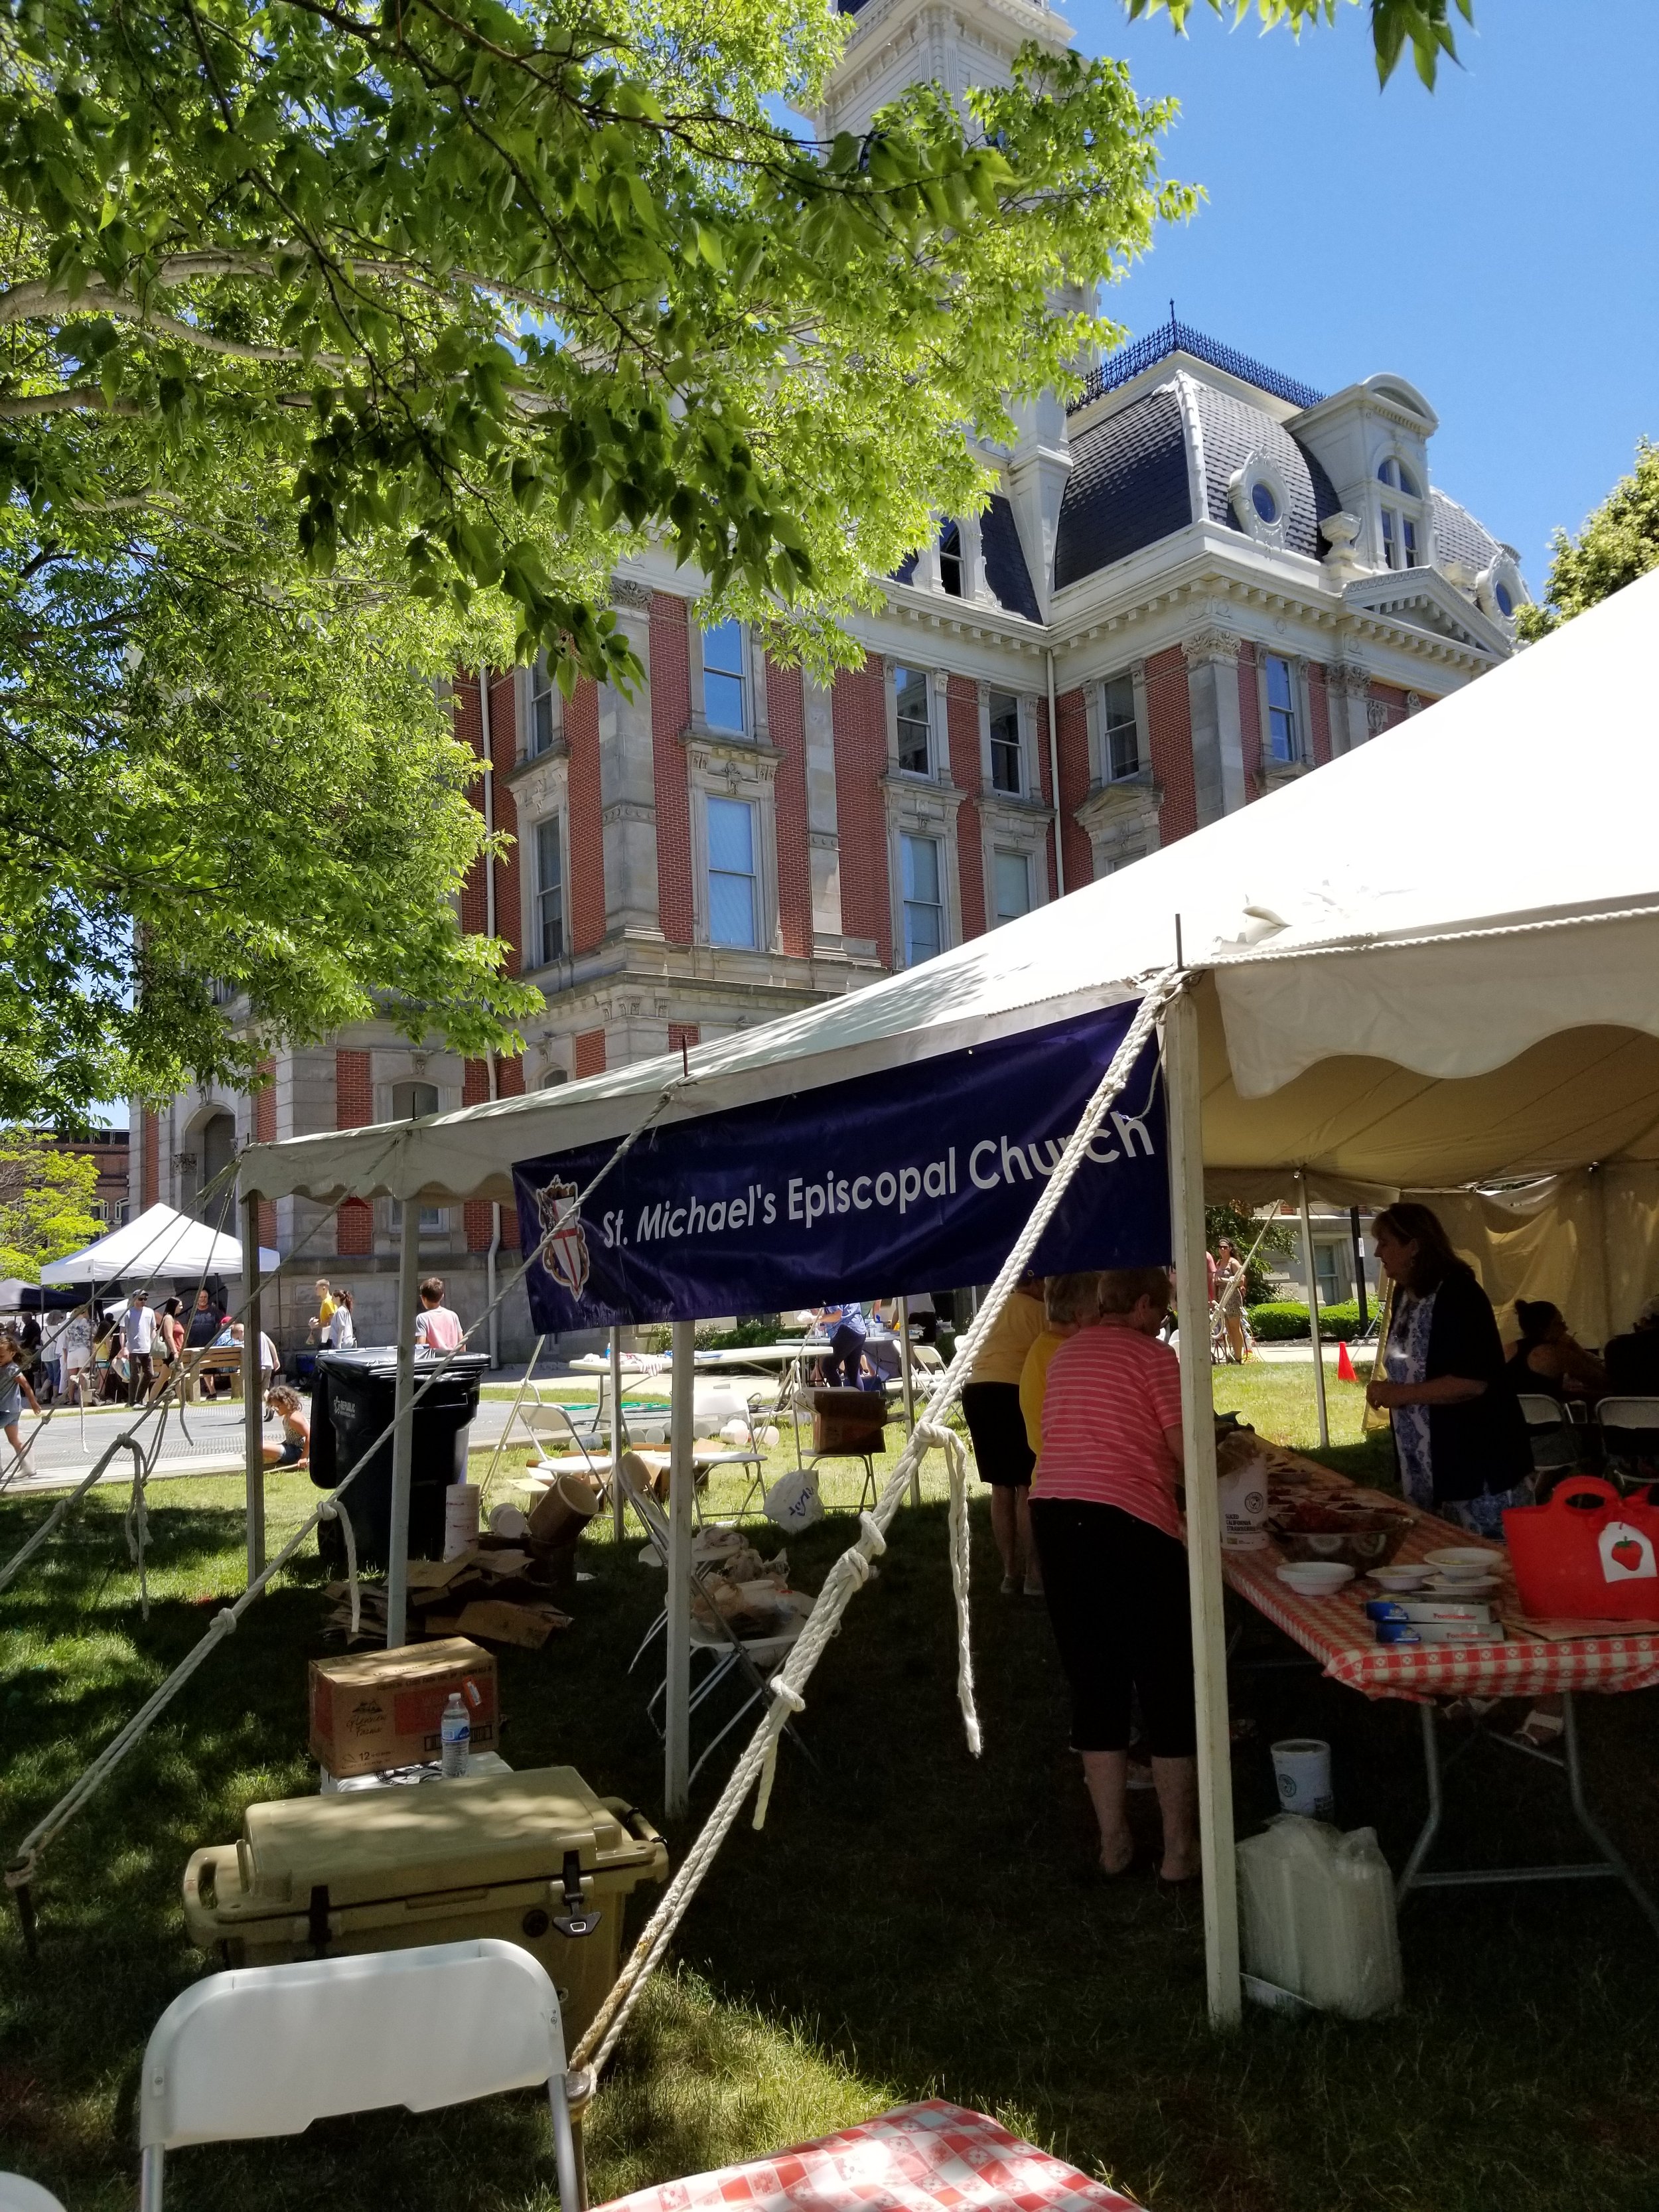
[(460, 1518), (1302, 1768)]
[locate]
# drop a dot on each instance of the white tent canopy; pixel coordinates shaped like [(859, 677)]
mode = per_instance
[(160, 1245), (1435, 962)]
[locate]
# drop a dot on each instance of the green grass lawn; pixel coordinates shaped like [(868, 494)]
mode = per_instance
[(912, 1921)]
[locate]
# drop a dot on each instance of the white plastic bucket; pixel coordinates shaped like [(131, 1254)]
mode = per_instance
[(460, 1518), (1302, 1768)]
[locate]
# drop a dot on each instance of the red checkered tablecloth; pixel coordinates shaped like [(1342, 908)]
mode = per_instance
[(1337, 1633), (922, 2158)]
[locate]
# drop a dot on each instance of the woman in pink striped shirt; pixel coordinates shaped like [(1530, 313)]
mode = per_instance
[(1108, 1532)]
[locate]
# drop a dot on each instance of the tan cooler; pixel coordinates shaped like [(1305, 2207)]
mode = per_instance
[(536, 1858)]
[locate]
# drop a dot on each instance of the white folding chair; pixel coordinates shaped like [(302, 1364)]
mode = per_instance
[(1630, 1435), (265, 2050), (1550, 1432), (19, 2194)]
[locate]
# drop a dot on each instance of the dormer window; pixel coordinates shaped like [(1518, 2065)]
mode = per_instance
[(1401, 522), (1262, 500), (1502, 600), (949, 560)]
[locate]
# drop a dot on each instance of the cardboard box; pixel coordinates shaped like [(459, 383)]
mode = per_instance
[(377, 1709)]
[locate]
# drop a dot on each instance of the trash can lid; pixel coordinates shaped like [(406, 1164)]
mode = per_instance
[(380, 1361)]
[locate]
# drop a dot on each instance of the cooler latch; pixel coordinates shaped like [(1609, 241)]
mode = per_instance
[(317, 1927), (573, 1921)]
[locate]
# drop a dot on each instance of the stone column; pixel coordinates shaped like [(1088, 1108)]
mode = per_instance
[(1346, 685), (1211, 657)]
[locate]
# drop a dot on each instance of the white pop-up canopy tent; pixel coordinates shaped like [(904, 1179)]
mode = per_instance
[(1435, 962), (160, 1246)]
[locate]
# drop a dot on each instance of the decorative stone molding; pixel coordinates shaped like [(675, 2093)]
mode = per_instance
[(1256, 484), (628, 810), (1413, 702), (625, 592), (1210, 645), (1377, 715), (734, 760)]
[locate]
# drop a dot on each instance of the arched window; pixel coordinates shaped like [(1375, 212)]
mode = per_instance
[(949, 560), (1400, 515)]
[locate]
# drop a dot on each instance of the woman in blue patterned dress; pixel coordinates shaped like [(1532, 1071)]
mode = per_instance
[(1458, 1430)]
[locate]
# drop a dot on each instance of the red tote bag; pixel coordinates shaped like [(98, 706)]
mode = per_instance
[(1587, 1554)]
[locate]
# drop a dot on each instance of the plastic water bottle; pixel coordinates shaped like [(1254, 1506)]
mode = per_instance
[(455, 1735)]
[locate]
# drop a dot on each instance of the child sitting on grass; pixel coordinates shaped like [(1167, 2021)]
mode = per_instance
[(295, 1446)]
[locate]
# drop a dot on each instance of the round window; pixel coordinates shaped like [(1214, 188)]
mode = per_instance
[(1262, 500), (1505, 601)]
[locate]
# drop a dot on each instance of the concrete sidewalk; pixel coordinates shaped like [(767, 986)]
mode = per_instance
[(207, 1440)]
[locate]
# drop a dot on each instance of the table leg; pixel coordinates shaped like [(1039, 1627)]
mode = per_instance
[(1609, 1866), (1588, 1821), (1430, 1715)]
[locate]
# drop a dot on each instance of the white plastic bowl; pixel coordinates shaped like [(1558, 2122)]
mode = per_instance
[(1315, 1578), (1400, 1578), (1470, 1558)]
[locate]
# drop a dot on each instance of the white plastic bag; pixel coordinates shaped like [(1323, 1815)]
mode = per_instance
[(793, 1502), (1318, 1919)]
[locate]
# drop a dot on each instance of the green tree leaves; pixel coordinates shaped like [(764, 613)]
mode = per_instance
[(1618, 543), (447, 267), (1426, 25)]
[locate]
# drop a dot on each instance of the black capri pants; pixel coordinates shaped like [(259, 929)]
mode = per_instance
[(1118, 1602), (997, 1427)]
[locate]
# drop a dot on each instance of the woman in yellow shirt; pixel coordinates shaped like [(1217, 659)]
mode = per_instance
[(990, 1405), (1069, 1302)]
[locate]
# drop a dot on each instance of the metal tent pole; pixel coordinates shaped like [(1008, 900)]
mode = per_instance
[(907, 1374), (677, 1708), (1215, 1778), (402, 1436), (254, 1410), (1313, 1314), (618, 1510)]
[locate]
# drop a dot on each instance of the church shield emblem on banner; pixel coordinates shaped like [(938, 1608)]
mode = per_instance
[(564, 1244)]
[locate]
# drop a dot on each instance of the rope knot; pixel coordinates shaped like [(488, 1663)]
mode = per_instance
[(874, 1542), (224, 1622), (19, 1873), (787, 1696)]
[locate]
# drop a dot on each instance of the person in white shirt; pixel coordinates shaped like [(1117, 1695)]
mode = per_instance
[(138, 1327), (436, 1328), (342, 1328)]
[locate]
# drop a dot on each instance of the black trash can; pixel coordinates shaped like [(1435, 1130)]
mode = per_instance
[(352, 1402)]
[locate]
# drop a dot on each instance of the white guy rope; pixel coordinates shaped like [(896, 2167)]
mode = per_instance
[(851, 1570), (21, 1870)]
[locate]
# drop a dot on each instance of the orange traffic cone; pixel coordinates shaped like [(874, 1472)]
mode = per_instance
[(1345, 1366)]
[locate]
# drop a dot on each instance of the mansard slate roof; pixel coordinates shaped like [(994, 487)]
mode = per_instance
[(1459, 537), (1006, 571), (1128, 486), (1132, 476)]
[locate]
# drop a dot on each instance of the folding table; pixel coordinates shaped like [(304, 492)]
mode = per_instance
[(1336, 1632)]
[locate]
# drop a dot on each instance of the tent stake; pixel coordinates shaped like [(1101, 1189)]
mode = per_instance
[(254, 1411), (1215, 1775), (677, 1707), (1313, 1315)]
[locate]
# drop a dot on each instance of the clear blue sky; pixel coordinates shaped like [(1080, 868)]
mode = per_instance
[(1493, 240)]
